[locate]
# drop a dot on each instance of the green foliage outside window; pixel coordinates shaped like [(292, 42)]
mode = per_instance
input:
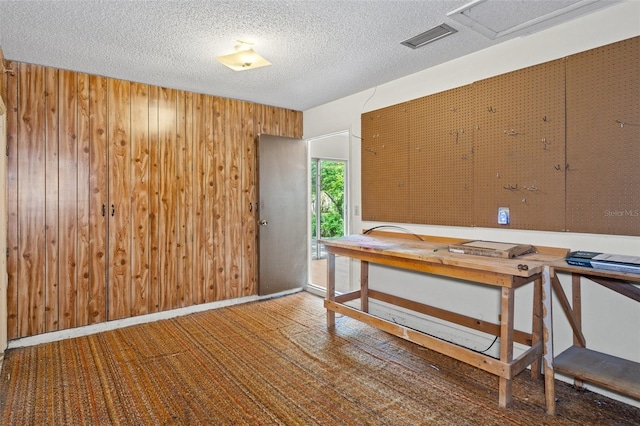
[(331, 199)]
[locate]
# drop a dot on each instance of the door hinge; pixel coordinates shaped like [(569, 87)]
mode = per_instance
[(7, 150), (7, 251)]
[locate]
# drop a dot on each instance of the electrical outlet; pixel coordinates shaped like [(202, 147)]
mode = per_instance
[(356, 210), (503, 216)]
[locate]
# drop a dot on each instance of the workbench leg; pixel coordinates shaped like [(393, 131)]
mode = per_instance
[(547, 333), (536, 327), (364, 286), (331, 287), (577, 313), (506, 343)]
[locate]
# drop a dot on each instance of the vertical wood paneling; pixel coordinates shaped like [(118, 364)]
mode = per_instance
[(232, 155), (265, 120), (212, 253), (139, 199), (272, 119), (180, 212), (248, 212), (68, 203), (31, 211), (177, 170), (97, 305), (214, 267), (296, 130), (167, 134), (219, 211), (257, 119), (119, 288), (3, 84), (170, 161), (187, 275), (3, 214), (154, 202), (11, 101), (83, 200), (285, 121), (200, 214), (51, 196)]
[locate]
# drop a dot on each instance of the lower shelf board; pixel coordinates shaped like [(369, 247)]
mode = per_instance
[(610, 372)]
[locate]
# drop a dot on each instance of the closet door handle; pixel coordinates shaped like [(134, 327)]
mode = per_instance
[(113, 210), (104, 210), (250, 207)]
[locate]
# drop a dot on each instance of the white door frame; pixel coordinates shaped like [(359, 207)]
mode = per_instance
[(333, 146)]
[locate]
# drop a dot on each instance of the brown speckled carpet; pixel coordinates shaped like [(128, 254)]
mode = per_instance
[(270, 363)]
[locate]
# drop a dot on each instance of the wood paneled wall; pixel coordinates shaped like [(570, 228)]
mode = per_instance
[(3, 217), (2, 79), (126, 199)]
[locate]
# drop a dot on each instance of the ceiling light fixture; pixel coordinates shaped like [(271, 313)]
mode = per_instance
[(244, 58)]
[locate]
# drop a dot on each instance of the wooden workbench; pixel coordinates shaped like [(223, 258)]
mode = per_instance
[(431, 256), (578, 361)]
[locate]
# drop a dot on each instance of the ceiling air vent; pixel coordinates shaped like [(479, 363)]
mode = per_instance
[(428, 36)]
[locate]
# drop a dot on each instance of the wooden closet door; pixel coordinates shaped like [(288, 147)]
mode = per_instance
[(119, 272), (98, 200), (56, 188), (140, 248), (12, 202), (51, 198), (31, 217)]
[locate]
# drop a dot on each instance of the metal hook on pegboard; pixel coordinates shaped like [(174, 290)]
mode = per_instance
[(623, 123)]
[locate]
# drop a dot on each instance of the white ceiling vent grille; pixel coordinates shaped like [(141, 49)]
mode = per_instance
[(429, 36), (499, 18)]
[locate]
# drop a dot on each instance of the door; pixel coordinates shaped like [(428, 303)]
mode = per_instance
[(282, 215), (328, 196)]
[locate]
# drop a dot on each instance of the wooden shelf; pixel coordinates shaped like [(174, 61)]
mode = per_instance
[(617, 374)]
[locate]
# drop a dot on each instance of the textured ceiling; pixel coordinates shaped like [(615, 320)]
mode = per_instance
[(320, 50)]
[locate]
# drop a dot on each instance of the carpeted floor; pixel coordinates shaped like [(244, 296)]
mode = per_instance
[(270, 363)]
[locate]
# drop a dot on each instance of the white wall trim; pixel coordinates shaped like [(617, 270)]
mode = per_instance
[(87, 330), (329, 135)]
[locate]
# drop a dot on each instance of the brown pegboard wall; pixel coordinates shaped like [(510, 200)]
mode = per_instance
[(441, 158), (603, 139), (519, 148), (508, 141), (385, 171)]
